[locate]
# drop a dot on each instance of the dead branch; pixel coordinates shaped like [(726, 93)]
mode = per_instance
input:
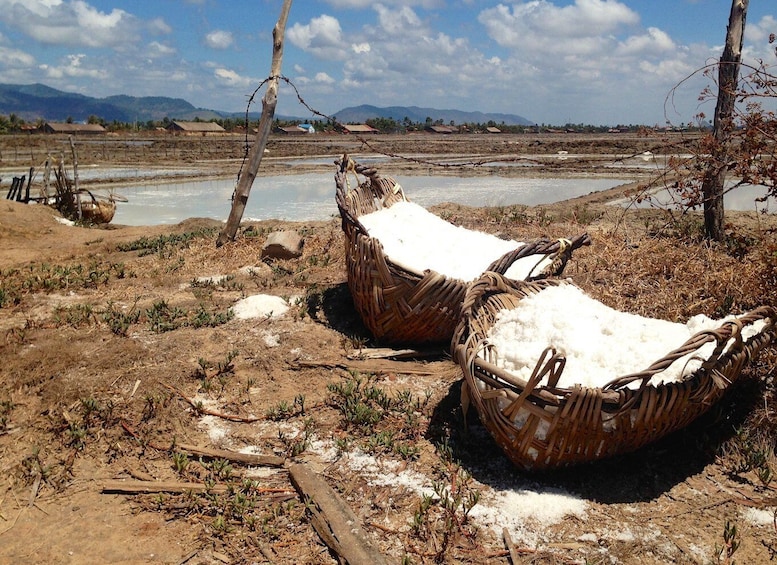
[(151, 487), (200, 409), (269, 102), (234, 456), (333, 519)]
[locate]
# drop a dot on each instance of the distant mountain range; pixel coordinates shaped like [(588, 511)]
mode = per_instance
[(358, 114), (37, 101)]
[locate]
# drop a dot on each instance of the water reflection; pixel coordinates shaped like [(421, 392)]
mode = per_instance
[(311, 196)]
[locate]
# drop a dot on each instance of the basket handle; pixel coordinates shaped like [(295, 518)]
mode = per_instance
[(560, 250), (550, 363)]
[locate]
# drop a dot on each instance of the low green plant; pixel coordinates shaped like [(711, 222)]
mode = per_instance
[(165, 245), (444, 515), (204, 319), (46, 277), (750, 450), (118, 321), (180, 462), (730, 545), (220, 371), (385, 424), (6, 407), (75, 316), (164, 318)]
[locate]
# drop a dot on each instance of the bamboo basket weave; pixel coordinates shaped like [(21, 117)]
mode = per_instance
[(397, 305), (565, 426)]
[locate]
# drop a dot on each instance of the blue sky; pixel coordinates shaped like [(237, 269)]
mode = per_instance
[(551, 61)]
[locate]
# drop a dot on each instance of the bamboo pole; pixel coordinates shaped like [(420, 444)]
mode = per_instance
[(269, 102)]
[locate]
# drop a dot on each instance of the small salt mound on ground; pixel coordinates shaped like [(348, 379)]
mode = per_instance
[(416, 239), (260, 306), (599, 342)]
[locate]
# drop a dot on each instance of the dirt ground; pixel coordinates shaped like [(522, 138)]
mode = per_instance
[(119, 350)]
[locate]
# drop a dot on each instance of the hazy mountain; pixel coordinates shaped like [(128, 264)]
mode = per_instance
[(33, 101), (357, 114)]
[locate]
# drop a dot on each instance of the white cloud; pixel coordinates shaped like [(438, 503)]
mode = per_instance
[(69, 23), (655, 41), (157, 49), (159, 26), (321, 37), (72, 67), (361, 47), (543, 25), (231, 78), (397, 22), (13, 58), (360, 4), (323, 78), (219, 39)]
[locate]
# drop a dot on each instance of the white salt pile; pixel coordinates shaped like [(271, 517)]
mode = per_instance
[(416, 239), (260, 306), (599, 342)]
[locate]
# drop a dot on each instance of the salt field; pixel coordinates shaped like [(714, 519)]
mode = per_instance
[(310, 197)]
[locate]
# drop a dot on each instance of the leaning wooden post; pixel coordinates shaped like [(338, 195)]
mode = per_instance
[(269, 102), (76, 192), (728, 79)]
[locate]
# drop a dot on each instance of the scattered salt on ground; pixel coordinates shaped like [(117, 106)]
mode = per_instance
[(599, 342), (760, 516), (213, 279), (416, 239), (526, 509), (260, 306), (271, 339), (526, 512)]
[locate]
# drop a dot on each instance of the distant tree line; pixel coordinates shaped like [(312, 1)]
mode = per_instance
[(12, 123)]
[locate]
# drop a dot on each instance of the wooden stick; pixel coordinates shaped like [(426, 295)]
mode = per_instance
[(234, 456), (202, 410), (389, 353), (333, 519), (510, 546), (269, 102), (365, 366), (145, 487)]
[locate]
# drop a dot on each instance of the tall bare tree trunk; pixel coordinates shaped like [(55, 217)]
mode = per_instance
[(269, 102), (728, 77)]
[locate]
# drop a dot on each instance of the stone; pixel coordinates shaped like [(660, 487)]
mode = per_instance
[(285, 244)]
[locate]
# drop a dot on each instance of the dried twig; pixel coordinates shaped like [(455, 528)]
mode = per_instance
[(202, 410)]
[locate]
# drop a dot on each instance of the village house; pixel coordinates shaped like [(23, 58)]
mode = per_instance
[(441, 129), (359, 128), (72, 129), (195, 128)]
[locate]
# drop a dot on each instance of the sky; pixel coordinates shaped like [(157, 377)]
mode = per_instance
[(602, 62)]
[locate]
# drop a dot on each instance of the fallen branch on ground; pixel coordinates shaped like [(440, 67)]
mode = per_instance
[(333, 519), (200, 409)]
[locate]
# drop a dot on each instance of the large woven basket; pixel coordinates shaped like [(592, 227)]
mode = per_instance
[(399, 306), (566, 426)]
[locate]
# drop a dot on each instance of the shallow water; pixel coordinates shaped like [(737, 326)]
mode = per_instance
[(742, 199), (312, 196)]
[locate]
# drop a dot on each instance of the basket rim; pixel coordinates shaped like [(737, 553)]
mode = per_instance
[(539, 246), (466, 346)]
